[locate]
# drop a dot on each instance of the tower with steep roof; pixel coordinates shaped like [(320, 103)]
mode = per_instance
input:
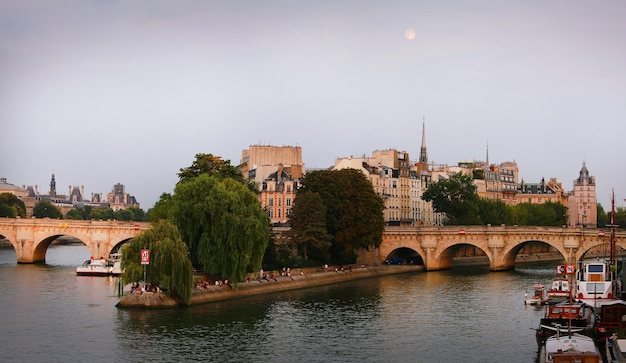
[(582, 202), (53, 187)]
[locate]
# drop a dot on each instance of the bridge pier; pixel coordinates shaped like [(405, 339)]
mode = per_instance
[(27, 252)]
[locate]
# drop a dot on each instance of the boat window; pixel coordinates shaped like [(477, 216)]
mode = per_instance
[(595, 268), (595, 288)]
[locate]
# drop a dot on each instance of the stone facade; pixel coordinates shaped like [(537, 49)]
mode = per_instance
[(118, 199), (276, 170)]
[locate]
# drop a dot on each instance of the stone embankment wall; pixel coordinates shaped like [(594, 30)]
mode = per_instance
[(257, 287)]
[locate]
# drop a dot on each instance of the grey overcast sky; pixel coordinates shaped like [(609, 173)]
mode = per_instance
[(101, 92)]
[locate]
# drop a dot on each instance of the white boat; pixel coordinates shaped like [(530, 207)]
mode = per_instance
[(101, 267), (539, 297), (560, 288), (594, 281), (597, 280), (569, 348)]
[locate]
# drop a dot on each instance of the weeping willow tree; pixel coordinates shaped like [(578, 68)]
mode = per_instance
[(223, 224), (169, 265)]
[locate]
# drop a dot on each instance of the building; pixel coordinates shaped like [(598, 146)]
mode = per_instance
[(118, 199), (277, 171), (583, 209), (542, 192)]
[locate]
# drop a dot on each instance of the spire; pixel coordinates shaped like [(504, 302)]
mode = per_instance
[(487, 160), (423, 154)]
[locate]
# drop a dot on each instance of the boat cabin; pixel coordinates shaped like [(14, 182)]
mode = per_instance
[(564, 312), (594, 281), (560, 285), (611, 318), (575, 348)]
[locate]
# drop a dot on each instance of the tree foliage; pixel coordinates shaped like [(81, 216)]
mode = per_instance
[(603, 217), (456, 197), (74, 214), (213, 165), (620, 217), (11, 206), (169, 267), (354, 212), (161, 209), (308, 225), (546, 214), (45, 209), (222, 223)]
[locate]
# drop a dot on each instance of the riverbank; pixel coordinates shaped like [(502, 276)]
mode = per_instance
[(215, 293)]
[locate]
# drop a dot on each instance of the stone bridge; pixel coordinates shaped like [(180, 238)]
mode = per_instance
[(31, 237), (437, 246)]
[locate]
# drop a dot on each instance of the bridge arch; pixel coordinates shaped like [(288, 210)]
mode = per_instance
[(446, 258), (404, 256)]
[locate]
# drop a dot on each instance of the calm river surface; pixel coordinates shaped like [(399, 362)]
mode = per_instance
[(48, 314)]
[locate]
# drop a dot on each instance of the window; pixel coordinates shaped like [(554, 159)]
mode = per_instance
[(288, 202), (271, 202)]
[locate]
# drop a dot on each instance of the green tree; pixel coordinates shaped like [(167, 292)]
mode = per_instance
[(213, 165), (354, 212), (102, 214), (603, 217), (620, 217), (75, 214), (223, 224), (11, 206), (169, 267), (139, 214), (308, 224), (547, 214), (456, 197), (124, 215), (45, 209), (161, 209), (494, 212)]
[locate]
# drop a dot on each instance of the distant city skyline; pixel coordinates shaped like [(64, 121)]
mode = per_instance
[(101, 92), (568, 187)]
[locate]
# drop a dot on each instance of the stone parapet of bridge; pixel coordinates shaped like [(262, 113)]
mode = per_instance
[(437, 246), (31, 237)]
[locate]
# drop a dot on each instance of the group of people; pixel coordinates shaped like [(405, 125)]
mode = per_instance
[(202, 284), (286, 272), (137, 288)]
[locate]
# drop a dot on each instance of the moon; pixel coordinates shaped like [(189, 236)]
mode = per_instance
[(409, 34)]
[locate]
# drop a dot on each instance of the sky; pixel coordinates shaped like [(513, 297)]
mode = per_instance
[(105, 92)]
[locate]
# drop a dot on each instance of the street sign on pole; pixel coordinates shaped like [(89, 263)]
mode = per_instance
[(145, 257)]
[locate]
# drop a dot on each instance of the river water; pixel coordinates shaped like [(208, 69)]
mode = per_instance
[(467, 314)]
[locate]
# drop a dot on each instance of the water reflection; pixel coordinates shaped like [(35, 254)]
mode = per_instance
[(464, 314)]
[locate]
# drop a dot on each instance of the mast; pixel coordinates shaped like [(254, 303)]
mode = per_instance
[(612, 261)]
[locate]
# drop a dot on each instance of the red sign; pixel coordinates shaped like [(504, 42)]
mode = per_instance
[(601, 234), (565, 269), (461, 231), (145, 257)]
